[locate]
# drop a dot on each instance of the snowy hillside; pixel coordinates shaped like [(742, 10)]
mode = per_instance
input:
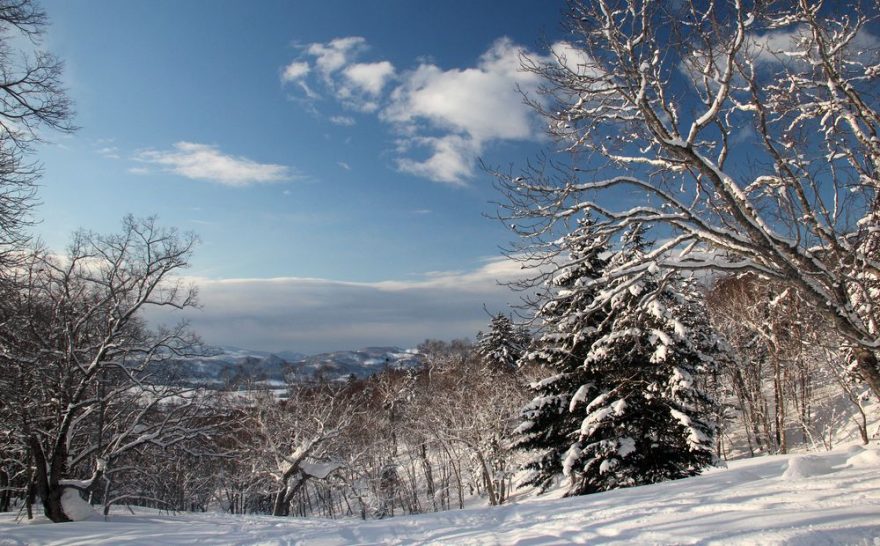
[(232, 365), (825, 498)]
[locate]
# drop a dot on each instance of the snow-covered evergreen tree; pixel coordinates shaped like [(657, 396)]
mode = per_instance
[(501, 347), (648, 418), (569, 327)]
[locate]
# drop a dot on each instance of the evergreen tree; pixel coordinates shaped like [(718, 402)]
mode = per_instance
[(501, 347), (570, 325), (648, 419)]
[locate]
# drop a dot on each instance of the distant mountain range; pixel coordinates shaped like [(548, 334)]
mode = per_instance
[(231, 365)]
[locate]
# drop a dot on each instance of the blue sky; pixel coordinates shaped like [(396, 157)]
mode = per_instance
[(325, 152)]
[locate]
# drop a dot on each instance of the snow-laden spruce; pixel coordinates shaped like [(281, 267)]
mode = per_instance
[(503, 345), (567, 333), (624, 403), (648, 418)]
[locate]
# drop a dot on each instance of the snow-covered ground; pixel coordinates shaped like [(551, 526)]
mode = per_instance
[(824, 498)]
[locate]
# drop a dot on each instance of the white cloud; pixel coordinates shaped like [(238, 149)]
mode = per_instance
[(354, 85), (450, 161), (310, 94), (206, 162), (447, 116), (110, 152), (473, 106), (344, 165), (575, 60), (482, 102), (313, 315), (336, 53), (369, 77), (345, 121), (295, 71), (782, 46)]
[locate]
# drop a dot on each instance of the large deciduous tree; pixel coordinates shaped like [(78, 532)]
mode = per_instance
[(746, 132), (77, 356)]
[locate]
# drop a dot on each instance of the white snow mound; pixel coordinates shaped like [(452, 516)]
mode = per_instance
[(806, 466), (869, 458), (75, 507)]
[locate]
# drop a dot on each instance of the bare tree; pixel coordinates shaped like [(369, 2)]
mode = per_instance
[(745, 132), (464, 405), (77, 363), (294, 437), (32, 97)]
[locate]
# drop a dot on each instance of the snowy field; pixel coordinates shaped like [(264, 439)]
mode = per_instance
[(826, 498)]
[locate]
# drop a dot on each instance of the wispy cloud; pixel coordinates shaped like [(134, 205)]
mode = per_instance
[(791, 47), (295, 71), (110, 152), (345, 121), (336, 53), (314, 315), (207, 162), (445, 117), (344, 165)]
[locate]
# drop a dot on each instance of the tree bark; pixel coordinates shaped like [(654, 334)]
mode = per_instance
[(280, 508), (867, 364), (5, 493), (46, 485)]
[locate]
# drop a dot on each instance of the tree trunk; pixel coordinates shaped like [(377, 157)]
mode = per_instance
[(108, 485), (30, 498), (46, 485), (487, 479), (779, 395), (867, 363), (281, 508), (5, 492), (429, 476)]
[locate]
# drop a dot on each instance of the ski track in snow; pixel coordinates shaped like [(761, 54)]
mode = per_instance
[(817, 499)]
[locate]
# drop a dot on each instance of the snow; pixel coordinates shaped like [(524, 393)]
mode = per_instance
[(662, 349), (75, 507), (81, 484), (580, 396), (626, 446), (608, 465), (546, 381), (696, 437), (571, 458), (594, 419), (805, 466), (861, 457), (751, 502), (319, 470)]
